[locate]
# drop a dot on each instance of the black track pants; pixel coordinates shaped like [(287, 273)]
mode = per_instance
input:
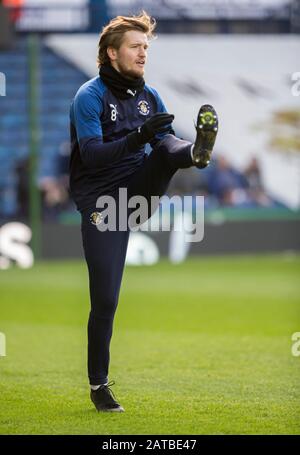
[(105, 252)]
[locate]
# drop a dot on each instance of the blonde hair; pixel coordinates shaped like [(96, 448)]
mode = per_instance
[(112, 34)]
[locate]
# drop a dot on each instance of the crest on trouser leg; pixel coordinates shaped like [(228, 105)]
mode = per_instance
[(96, 218)]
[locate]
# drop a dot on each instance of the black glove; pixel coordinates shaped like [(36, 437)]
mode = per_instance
[(158, 123)]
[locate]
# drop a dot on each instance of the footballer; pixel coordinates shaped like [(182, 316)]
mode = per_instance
[(112, 117)]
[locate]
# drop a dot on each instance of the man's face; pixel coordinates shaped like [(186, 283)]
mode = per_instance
[(131, 57)]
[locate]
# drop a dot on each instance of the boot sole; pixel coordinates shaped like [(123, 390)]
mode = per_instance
[(207, 129)]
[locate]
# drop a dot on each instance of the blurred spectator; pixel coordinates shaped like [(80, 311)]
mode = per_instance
[(8, 195), (22, 170), (54, 197), (227, 184), (255, 187), (63, 164), (55, 188), (233, 188)]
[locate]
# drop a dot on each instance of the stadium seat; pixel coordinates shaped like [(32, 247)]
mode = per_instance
[(59, 81)]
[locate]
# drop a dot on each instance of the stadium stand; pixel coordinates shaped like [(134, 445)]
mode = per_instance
[(242, 76), (59, 81), (247, 92)]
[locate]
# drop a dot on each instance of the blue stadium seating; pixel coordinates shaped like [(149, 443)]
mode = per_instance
[(59, 81)]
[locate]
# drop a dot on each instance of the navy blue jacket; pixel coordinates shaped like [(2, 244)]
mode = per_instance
[(102, 158)]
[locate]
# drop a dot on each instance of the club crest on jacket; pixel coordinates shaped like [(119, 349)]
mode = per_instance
[(143, 107)]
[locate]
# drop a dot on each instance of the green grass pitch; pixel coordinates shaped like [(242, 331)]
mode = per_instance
[(203, 347)]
